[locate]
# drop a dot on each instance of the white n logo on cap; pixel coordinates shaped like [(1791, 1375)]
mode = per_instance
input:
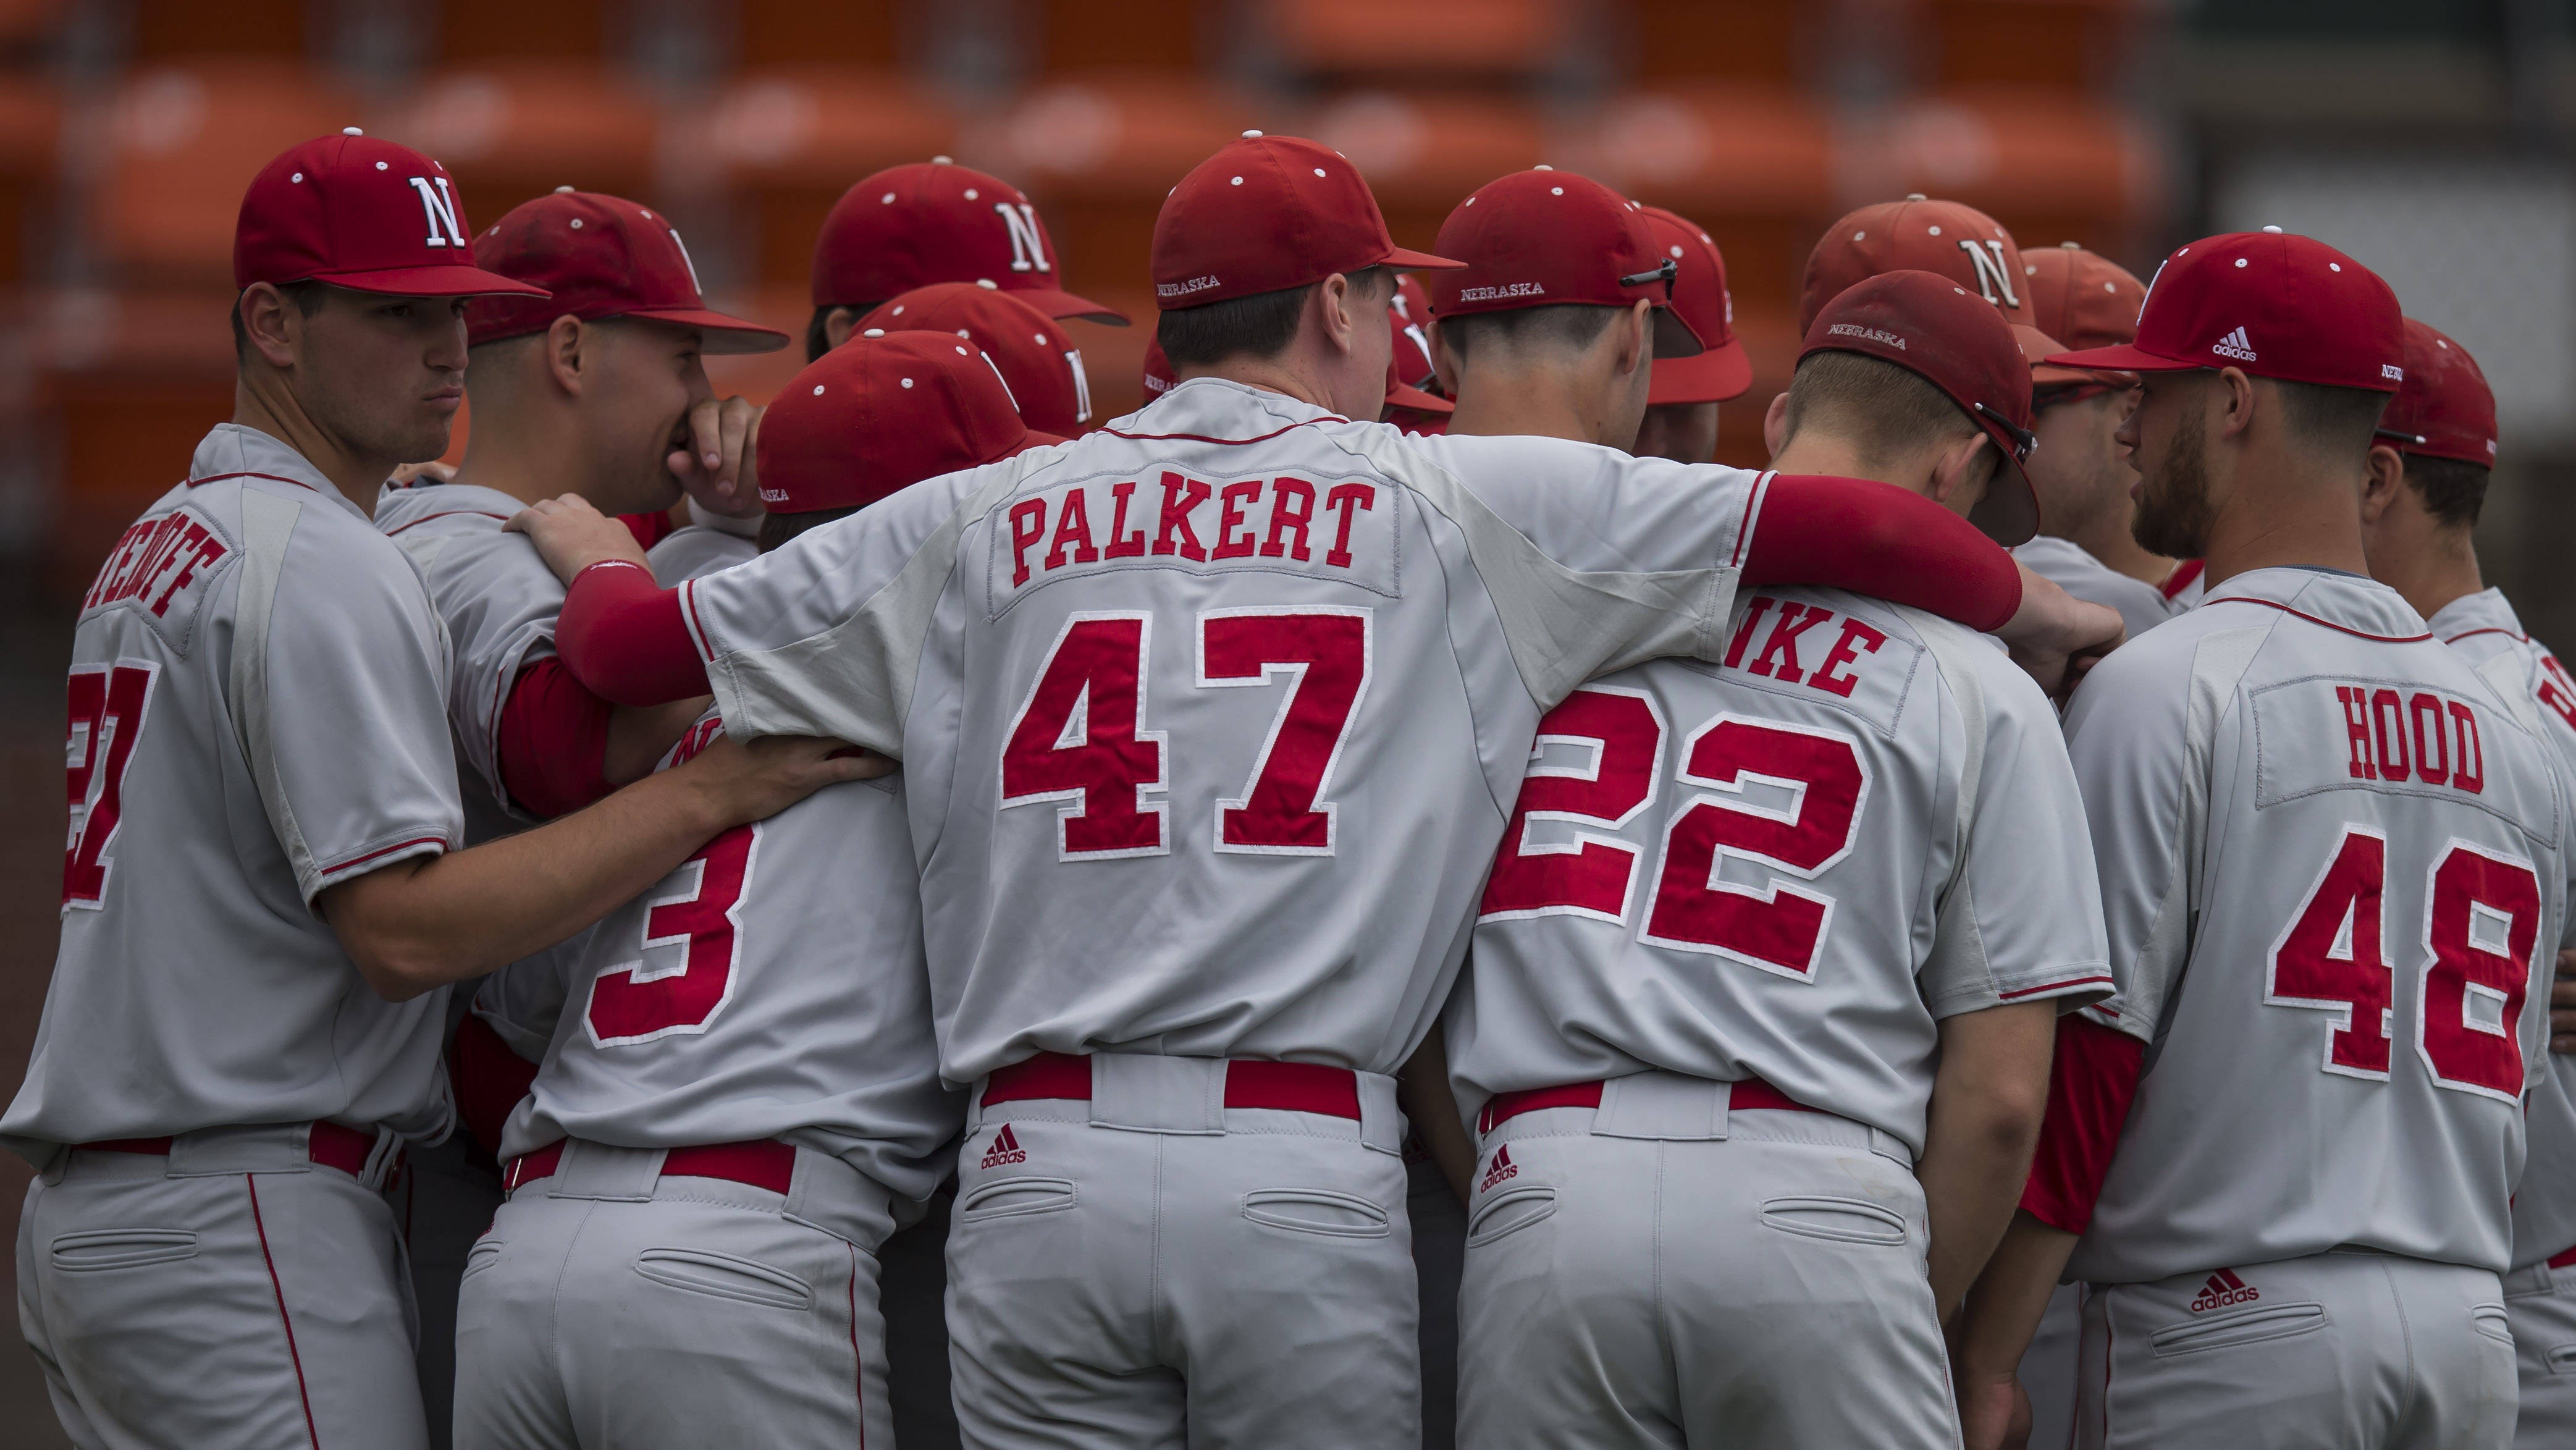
[(1992, 275), (1028, 244), (1081, 387), (683, 249), (438, 208)]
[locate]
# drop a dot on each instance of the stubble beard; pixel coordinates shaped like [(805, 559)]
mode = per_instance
[(2174, 512)]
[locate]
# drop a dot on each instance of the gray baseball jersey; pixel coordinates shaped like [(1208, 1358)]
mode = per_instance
[(1211, 719), (2071, 567), (686, 553), (1789, 865), (2483, 627), (258, 711), (2332, 873), (499, 603)]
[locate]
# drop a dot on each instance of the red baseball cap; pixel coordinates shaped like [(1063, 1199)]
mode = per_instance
[(598, 256), (1158, 372), (364, 214), (2444, 409), (935, 221), (2079, 297), (1932, 326), (1701, 300), (1409, 375), (1264, 214), (2038, 347), (2273, 304), (1544, 237), (881, 412), (1946, 238), (1037, 358)]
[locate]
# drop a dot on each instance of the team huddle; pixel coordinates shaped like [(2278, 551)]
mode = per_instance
[(1379, 900)]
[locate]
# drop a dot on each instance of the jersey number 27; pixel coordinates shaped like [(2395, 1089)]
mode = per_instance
[(107, 710)]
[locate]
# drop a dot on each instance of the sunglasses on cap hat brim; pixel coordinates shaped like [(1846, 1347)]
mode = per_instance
[(2023, 440), (1674, 337), (2400, 435)]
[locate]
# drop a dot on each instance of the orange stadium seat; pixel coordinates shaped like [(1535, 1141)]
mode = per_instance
[(790, 140), (1753, 163), (1700, 40), (481, 30), (2050, 167), (790, 32), (517, 129), (1073, 36), (2072, 44), (1418, 39), (182, 142), (1423, 154), (169, 29)]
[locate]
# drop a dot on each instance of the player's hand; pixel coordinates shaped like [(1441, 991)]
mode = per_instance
[(1994, 1414), (572, 535), (2057, 637), (2562, 1006), (434, 471), (753, 780), (712, 457)]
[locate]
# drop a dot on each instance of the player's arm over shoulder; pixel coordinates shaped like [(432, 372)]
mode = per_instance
[(1598, 510)]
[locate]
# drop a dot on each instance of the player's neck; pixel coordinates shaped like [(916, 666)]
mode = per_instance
[(2287, 512), (2107, 538), (266, 404), (522, 457), (1813, 450), (1533, 401), (2442, 568)]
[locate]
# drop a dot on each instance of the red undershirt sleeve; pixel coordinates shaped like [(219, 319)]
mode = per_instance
[(622, 636), (2091, 1083), (489, 1080), (553, 742), (648, 529), (1878, 539)]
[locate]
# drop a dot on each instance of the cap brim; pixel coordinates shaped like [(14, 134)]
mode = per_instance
[(1061, 305), (2009, 512), (1720, 373), (457, 281), (1405, 395), (1675, 337), (2126, 357), (722, 334), (1404, 259)]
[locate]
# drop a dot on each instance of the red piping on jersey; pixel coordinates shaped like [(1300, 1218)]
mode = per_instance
[(447, 514), (689, 617), (1752, 517), (2312, 619), (2491, 629), (246, 473), (2103, 978), (2181, 577), (293, 1357), (438, 841), (858, 1368), (1221, 442)]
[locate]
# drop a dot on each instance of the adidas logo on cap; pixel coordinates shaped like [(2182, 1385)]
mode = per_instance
[(1501, 1168), (1006, 1149), (2223, 1289), (2236, 345)]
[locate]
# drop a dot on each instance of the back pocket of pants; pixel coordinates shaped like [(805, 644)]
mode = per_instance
[(93, 1250), (2274, 1321), (724, 1276), (1010, 1197), (1317, 1211), (1837, 1220), (2490, 1320), (1509, 1212)]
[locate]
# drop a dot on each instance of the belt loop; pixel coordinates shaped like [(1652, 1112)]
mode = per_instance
[(1887, 1145), (598, 1170), (1381, 1120), (975, 1104), (217, 1152), (1666, 1106), (1147, 1093)]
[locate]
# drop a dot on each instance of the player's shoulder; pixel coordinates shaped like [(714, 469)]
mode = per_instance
[(424, 508), (697, 551)]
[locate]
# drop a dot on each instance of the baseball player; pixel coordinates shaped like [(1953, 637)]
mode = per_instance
[(2334, 881), (2428, 476), (1707, 1054), (1681, 404), (262, 899), (935, 221), (741, 1096), (1209, 719), (597, 388), (1413, 404), (1036, 358), (2085, 301)]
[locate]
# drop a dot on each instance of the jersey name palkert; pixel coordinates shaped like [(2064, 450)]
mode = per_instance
[(1338, 529)]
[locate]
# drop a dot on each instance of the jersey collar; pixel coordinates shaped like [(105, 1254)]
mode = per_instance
[(2343, 601), (2471, 613), (1217, 410), (399, 506), (234, 451)]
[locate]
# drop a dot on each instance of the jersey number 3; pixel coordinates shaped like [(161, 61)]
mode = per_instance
[(640, 1001), (107, 709), (2478, 937)]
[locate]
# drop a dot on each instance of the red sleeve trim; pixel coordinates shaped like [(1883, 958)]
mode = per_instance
[(489, 1079), (383, 851), (625, 638), (1880, 540), (2092, 1081), (2101, 979), (553, 742)]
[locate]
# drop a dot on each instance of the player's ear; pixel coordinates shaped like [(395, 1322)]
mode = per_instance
[(839, 323), (2383, 475), (1337, 302), (2234, 401), (270, 323), (1961, 471), (1637, 339), (568, 346), (1443, 365), (1775, 425)]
